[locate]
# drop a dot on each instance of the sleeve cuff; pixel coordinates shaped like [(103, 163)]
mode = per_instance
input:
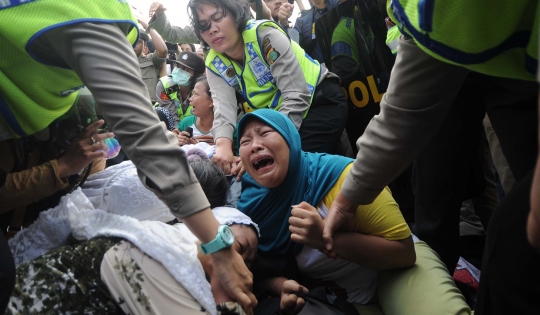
[(187, 201), (59, 183), (223, 132), (158, 24)]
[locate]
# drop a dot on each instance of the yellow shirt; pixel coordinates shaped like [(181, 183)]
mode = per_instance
[(380, 218)]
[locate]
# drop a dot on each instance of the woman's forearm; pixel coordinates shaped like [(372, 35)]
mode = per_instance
[(373, 251), (29, 186)]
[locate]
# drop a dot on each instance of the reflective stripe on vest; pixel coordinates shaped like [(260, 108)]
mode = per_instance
[(256, 83), (33, 93), (167, 83), (494, 37), (392, 38)]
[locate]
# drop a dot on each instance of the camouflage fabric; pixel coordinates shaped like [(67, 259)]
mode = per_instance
[(67, 281), (230, 308), (64, 281)]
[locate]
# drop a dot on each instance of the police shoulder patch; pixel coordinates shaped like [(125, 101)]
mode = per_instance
[(269, 52)]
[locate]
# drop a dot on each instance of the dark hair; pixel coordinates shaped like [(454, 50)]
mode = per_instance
[(203, 80), (239, 9), (210, 176), (190, 45)]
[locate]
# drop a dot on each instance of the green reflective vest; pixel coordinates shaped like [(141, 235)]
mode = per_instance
[(34, 93), (494, 37), (344, 40), (255, 81), (171, 89), (392, 39)]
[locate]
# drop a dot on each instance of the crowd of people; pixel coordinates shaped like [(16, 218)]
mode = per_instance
[(141, 174)]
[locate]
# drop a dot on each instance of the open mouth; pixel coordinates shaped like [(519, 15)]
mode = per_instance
[(262, 163)]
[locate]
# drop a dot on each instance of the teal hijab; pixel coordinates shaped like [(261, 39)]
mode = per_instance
[(309, 178)]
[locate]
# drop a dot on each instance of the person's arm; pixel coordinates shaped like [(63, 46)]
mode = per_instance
[(163, 69), (104, 60), (31, 185), (419, 95), (371, 251), (161, 48), (267, 14), (224, 99), (289, 76), (284, 14), (173, 34), (165, 102)]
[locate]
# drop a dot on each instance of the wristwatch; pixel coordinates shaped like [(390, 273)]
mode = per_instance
[(224, 239)]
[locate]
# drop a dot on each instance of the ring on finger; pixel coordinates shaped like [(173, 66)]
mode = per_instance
[(92, 140)]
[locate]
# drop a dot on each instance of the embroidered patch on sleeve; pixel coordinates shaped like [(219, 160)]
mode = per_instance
[(269, 52), (164, 97), (272, 55)]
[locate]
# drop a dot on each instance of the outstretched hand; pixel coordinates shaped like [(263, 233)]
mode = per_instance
[(342, 211)]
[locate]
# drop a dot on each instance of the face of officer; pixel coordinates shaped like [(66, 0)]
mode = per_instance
[(219, 30)]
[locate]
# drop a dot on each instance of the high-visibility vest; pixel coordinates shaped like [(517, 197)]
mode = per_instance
[(255, 81), (494, 37), (344, 40), (171, 89), (33, 93)]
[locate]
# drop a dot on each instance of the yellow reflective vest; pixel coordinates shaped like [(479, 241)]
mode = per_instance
[(255, 81), (171, 89), (34, 93), (494, 37)]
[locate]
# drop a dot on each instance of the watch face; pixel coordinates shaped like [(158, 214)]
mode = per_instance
[(228, 236)]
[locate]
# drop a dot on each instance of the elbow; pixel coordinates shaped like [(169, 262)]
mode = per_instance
[(408, 254), (163, 52), (409, 259)]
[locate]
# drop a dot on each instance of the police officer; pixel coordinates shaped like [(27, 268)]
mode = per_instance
[(270, 71), (442, 44), (173, 91), (50, 49)]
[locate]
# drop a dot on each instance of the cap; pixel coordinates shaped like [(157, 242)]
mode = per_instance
[(191, 61)]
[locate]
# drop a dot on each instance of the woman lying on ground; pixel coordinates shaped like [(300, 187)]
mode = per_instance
[(287, 192), (140, 267)]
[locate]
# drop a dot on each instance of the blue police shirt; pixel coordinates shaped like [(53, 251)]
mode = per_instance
[(304, 27)]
